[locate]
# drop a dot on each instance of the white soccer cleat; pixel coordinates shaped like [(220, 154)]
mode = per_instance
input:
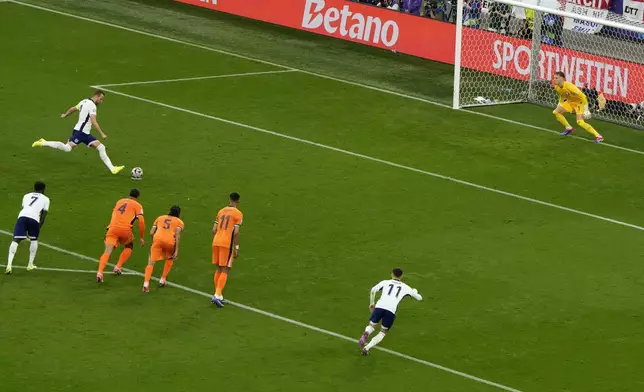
[(8, 270), (31, 267)]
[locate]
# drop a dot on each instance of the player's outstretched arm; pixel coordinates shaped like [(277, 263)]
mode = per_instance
[(414, 293), (96, 126), (372, 294), (69, 111)]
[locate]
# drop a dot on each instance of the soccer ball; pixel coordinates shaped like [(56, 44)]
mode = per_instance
[(137, 173)]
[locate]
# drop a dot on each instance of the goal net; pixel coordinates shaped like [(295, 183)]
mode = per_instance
[(507, 51)]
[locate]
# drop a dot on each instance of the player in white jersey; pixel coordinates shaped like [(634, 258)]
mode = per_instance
[(30, 219), (384, 312), (86, 120)]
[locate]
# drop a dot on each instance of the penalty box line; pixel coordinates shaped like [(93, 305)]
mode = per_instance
[(79, 271), (382, 161), (236, 75), (288, 320)]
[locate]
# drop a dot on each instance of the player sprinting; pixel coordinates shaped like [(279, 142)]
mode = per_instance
[(86, 120), (35, 206), (119, 232), (225, 245), (384, 312), (166, 235), (571, 98)]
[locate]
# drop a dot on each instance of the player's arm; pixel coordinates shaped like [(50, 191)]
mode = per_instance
[(576, 92), (177, 236), (416, 295), (372, 294), (141, 220), (95, 125), (43, 213), (153, 230), (69, 111), (236, 240)]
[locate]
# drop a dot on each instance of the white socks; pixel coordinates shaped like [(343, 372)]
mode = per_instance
[(12, 252), (369, 330), (376, 339), (58, 145), (33, 248), (104, 157)]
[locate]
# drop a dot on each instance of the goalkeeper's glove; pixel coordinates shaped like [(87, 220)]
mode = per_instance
[(587, 114)]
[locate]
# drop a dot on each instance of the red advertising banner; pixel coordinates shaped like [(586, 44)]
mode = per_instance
[(422, 37), (349, 21)]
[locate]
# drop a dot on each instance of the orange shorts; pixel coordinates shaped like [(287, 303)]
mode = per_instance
[(161, 251), (222, 256), (119, 236)]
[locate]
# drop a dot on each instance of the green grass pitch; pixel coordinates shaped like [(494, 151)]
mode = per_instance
[(520, 293)]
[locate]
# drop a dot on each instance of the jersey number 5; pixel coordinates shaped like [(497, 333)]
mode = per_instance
[(166, 224), (391, 288), (122, 208)]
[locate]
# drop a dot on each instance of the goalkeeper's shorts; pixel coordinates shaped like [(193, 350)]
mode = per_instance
[(570, 107)]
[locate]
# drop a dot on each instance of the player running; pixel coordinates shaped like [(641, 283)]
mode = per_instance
[(35, 206), (166, 234), (119, 232), (225, 245), (571, 98), (393, 291), (86, 120)]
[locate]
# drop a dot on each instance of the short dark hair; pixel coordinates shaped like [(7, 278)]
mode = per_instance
[(98, 92), (397, 272), (39, 186), (135, 193), (234, 196), (559, 73), (175, 211)]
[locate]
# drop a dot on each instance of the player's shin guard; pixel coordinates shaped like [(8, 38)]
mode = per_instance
[(148, 275), (376, 339), (33, 248), (58, 146), (124, 257), (562, 120), (221, 283), (103, 154), (589, 128), (166, 269), (12, 253), (369, 330)]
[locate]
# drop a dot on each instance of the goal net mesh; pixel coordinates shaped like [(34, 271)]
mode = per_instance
[(510, 54)]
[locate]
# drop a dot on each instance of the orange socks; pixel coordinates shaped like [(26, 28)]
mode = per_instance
[(148, 275), (103, 262), (166, 269), (125, 255), (217, 275), (221, 283)]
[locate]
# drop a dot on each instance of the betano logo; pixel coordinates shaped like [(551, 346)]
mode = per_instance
[(345, 23)]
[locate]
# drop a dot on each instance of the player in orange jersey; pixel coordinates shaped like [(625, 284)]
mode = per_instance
[(119, 232), (166, 234), (225, 245)]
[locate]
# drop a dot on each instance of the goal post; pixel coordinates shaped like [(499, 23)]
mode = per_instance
[(508, 52)]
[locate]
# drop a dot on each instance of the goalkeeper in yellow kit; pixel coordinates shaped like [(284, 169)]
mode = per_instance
[(571, 98)]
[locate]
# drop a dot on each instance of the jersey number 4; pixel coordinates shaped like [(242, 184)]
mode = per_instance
[(391, 288), (122, 208)]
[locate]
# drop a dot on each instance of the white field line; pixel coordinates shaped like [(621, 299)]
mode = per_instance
[(79, 271), (237, 75), (369, 158), (287, 320), (382, 90)]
